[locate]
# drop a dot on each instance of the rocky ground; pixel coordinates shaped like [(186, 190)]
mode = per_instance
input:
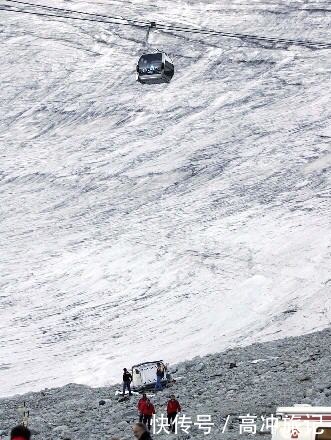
[(249, 380)]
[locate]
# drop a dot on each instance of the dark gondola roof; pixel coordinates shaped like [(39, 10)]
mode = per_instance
[(148, 362)]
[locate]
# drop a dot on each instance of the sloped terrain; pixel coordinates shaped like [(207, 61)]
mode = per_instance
[(278, 373), (160, 222)]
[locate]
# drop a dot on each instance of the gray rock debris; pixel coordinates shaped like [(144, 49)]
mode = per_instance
[(267, 375)]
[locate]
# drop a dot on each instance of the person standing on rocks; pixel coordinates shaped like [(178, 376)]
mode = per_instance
[(148, 411), (141, 404), (127, 379), (173, 408), (20, 433), (159, 376), (140, 432)]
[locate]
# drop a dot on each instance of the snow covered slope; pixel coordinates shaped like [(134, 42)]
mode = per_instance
[(142, 222)]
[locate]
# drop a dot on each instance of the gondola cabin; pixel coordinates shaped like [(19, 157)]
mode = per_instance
[(155, 68), (144, 375)]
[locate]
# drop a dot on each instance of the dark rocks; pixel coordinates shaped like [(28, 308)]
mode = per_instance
[(290, 311), (261, 377), (304, 379)]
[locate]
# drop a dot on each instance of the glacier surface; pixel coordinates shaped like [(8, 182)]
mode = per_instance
[(143, 222)]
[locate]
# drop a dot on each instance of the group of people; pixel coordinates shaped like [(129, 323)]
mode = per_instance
[(146, 410), (140, 429), (127, 379), (22, 433)]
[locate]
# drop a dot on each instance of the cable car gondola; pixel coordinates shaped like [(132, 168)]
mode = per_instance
[(155, 68)]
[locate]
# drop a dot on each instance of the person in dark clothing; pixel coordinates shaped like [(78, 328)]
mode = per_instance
[(173, 408), (140, 432), (148, 411), (20, 433), (141, 404), (127, 379), (159, 376)]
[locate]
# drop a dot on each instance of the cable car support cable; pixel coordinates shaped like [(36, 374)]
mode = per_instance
[(166, 27)]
